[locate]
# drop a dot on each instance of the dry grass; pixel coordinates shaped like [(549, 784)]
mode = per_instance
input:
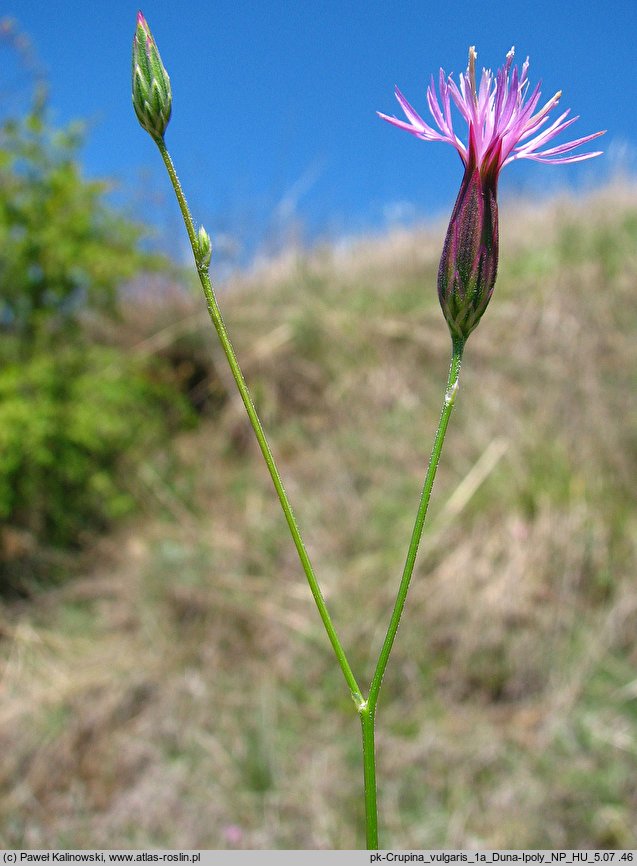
[(182, 693)]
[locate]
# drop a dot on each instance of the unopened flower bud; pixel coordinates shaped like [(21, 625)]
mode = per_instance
[(152, 97), (204, 251), (469, 262)]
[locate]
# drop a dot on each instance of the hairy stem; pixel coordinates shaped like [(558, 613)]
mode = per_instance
[(220, 328), (369, 777), (368, 711)]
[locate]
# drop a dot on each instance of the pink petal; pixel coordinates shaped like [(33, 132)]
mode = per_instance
[(426, 132), (434, 107), (563, 160)]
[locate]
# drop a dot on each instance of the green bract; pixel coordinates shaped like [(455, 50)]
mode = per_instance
[(204, 251), (152, 96), (469, 261)]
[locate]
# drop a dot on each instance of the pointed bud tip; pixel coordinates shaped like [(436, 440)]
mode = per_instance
[(152, 98)]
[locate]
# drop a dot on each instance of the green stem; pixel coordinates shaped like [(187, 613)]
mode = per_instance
[(369, 775), (217, 321), (368, 710)]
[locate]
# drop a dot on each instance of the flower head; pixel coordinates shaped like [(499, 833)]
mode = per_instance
[(504, 124), (499, 112), (152, 96)]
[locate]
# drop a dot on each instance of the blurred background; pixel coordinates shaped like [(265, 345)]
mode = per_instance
[(161, 658)]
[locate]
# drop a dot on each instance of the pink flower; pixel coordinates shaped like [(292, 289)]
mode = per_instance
[(504, 125), (502, 121)]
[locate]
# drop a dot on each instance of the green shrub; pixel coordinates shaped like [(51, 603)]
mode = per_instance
[(74, 426), (63, 249), (77, 420)]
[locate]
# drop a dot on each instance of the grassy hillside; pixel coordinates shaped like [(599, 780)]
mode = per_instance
[(181, 693)]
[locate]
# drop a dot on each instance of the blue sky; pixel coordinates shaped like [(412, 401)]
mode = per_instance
[(274, 102)]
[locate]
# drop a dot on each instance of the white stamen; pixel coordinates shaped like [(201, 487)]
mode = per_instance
[(473, 56)]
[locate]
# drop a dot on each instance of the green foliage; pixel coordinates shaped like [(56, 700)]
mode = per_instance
[(73, 425), (75, 418), (62, 249)]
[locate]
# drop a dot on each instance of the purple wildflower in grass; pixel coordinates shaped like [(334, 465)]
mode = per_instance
[(504, 125)]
